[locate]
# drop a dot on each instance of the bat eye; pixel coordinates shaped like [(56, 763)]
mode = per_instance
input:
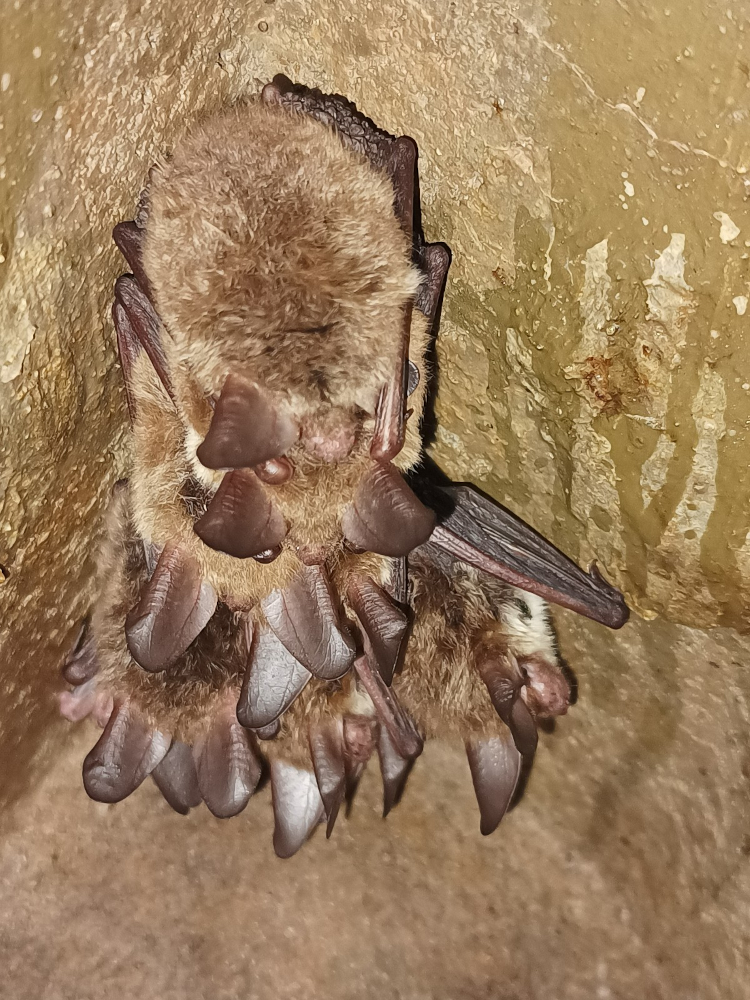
[(412, 378), (524, 609), (268, 555)]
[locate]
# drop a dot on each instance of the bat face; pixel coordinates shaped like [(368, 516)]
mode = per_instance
[(273, 254), (276, 262), (271, 587)]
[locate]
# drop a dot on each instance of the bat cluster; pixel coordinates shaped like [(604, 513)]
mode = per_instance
[(281, 583)]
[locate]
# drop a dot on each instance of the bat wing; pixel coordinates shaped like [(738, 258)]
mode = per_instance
[(136, 321), (477, 530)]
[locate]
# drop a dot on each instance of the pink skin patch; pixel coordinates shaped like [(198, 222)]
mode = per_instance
[(547, 692), (311, 554), (85, 700), (330, 436), (77, 704)]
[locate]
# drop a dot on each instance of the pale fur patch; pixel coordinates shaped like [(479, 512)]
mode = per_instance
[(210, 478), (529, 634)]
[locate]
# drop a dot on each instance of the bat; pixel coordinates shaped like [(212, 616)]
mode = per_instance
[(280, 579), (480, 665)]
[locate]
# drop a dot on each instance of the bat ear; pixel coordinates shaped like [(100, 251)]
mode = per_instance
[(384, 625), (495, 769), (385, 516), (504, 681), (328, 752), (305, 617), (395, 770), (273, 91), (81, 664), (246, 429), (127, 752), (241, 520), (273, 680), (174, 607), (227, 765), (176, 779), (297, 807)]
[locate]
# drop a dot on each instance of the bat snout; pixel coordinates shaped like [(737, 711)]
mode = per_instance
[(330, 437)]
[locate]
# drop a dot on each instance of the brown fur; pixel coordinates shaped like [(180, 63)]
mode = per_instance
[(182, 699), (232, 224), (438, 684), (274, 252)]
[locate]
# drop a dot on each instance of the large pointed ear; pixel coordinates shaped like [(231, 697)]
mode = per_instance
[(385, 516), (495, 770), (246, 428), (307, 619), (127, 752), (477, 530), (173, 609)]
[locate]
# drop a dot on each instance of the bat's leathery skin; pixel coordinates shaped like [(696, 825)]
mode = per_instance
[(279, 287)]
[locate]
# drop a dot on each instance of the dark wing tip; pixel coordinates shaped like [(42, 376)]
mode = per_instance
[(616, 611), (475, 529)]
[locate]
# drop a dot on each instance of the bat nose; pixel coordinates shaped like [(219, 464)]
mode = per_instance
[(312, 554), (331, 436)]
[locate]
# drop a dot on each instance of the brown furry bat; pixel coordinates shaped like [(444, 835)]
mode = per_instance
[(255, 572), (480, 666)]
